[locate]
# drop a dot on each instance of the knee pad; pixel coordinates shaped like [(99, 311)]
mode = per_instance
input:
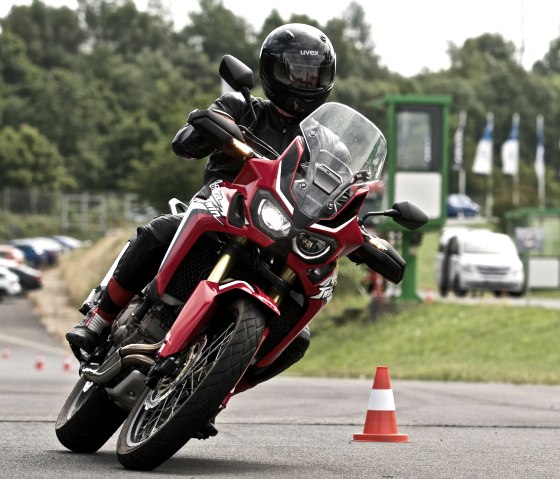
[(140, 262), (160, 230)]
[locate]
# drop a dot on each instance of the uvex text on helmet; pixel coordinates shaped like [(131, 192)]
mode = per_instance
[(297, 67)]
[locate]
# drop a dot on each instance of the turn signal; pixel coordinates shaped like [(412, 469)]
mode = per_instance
[(243, 148)]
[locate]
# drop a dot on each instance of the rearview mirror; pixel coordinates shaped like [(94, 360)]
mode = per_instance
[(405, 213), (409, 215), (236, 74)]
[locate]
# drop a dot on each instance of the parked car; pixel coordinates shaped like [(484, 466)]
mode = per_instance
[(39, 251), (461, 206), (12, 253), (29, 278), (35, 255), (479, 260), (9, 283), (53, 248), (67, 242)]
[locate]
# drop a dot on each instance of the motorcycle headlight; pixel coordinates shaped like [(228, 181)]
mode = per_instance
[(309, 246), (273, 220)]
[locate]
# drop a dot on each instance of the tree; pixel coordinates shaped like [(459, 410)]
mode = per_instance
[(160, 176), (15, 66), (551, 61), (52, 36), (480, 54), (215, 30), (125, 145), (29, 160), (123, 29)]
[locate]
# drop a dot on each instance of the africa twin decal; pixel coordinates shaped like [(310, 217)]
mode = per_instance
[(217, 205), (326, 288), (285, 176)]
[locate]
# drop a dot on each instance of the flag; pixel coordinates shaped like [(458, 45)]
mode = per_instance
[(483, 157), (539, 157), (458, 142), (510, 149)]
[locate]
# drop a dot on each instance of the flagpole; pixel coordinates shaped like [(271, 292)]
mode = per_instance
[(458, 152), (490, 195), (515, 124), (490, 182)]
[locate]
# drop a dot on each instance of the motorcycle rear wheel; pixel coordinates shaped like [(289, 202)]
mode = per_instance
[(88, 418), (164, 419)]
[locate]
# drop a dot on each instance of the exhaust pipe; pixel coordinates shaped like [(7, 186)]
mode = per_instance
[(129, 355)]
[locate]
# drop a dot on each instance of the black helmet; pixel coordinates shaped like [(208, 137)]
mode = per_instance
[(297, 67)]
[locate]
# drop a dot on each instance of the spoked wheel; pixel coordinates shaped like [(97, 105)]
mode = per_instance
[(88, 418), (165, 418)]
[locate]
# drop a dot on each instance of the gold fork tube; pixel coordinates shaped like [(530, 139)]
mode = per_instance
[(224, 264), (288, 275)]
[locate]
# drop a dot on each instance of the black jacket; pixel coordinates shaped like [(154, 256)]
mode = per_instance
[(276, 130)]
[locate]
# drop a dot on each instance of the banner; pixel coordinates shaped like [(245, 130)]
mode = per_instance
[(458, 142), (539, 160), (510, 149), (483, 157), (539, 157)]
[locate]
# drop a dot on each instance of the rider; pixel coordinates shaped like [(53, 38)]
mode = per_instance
[(297, 70)]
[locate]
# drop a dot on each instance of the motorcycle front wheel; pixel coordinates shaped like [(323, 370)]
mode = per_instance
[(88, 418), (165, 418)]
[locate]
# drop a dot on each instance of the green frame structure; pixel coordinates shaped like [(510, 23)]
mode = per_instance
[(407, 177)]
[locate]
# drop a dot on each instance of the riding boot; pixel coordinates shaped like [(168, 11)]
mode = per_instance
[(84, 337)]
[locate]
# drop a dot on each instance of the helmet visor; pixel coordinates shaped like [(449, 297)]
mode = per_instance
[(306, 71)]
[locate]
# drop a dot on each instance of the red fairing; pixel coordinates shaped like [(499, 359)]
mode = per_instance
[(199, 308)]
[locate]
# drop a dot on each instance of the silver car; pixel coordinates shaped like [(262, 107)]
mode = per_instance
[(479, 260)]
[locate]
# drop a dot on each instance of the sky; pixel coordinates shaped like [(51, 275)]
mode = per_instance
[(409, 35)]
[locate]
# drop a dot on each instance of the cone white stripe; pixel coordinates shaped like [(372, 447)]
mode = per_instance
[(381, 400)]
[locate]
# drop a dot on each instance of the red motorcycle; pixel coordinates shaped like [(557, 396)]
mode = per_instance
[(252, 263)]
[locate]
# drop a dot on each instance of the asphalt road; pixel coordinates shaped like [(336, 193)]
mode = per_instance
[(288, 427)]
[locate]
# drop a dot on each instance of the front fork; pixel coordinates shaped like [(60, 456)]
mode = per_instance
[(227, 260)]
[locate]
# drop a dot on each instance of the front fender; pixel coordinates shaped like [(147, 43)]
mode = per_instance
[(199, 309)]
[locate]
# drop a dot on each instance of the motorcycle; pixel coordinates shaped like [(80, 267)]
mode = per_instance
[(252, 263)]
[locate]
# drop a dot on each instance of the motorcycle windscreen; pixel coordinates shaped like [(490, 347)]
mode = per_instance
[(344, 148)]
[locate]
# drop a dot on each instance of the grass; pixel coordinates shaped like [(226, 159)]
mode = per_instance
[(426, 265), (441, 341), (83, 269)]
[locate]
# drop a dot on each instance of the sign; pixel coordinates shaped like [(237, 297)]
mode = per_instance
[(417, 166), (529, 239)]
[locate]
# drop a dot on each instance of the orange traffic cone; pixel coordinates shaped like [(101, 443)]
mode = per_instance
[(40, 362), (381, 418), (67, 364), (429, 296)]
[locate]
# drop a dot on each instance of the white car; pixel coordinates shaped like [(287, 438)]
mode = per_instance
[(9, 283), (479, 260)]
